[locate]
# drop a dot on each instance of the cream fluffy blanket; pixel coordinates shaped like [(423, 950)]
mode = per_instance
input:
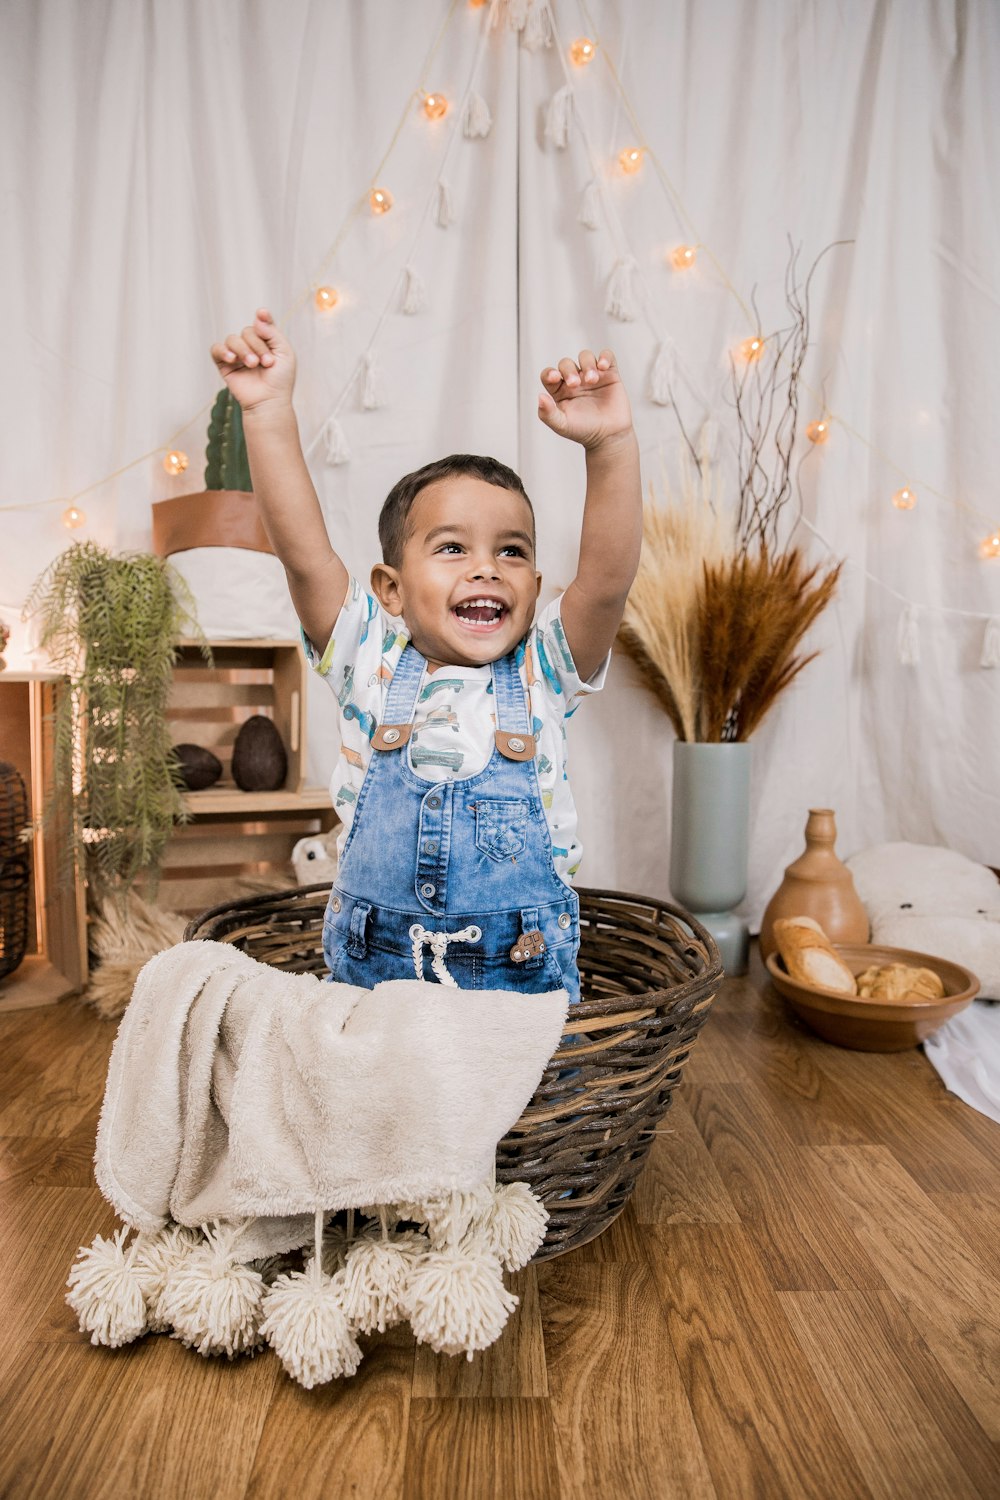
[(236, 1091)]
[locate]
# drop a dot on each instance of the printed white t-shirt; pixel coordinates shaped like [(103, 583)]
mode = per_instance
[(455, 720)]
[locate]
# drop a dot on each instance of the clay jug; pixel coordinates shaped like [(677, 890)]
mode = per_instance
[(817, 885)]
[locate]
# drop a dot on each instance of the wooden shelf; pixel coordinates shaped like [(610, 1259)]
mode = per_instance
[(224, 799)]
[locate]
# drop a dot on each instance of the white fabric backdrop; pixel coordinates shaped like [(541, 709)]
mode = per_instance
[(168, 167)]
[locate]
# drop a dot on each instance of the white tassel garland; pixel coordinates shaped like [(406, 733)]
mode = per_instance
[(510, 13), (305, 1324), (537, 31), (211, 1300), (662, 375), (513, 1226), (373, 394), (105, 1292), (444, 212), (620, 301), (558, 117), (590, 206), (414, 292), (476, 119), (335, 446), (990, 656), (448, 1216), (908, 637), (456, 1300)]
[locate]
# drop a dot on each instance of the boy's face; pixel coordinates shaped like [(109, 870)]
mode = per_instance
[(466, 585)]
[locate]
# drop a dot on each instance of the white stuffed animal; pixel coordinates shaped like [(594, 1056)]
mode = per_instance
[(315, 858), (936, 901)]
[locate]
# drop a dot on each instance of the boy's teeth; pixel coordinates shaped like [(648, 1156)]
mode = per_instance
[(481, 611)]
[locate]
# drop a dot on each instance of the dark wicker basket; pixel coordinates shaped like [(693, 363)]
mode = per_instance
[(14, 873), (649, 972)]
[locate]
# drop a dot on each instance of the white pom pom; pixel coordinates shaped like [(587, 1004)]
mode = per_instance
[(558, 116), (105, 1292), (211, 1301), (513, 1226), (448, 1216), (621, 297), (456, 1300), (372, 394), (414, 292), (376, 1276), (662, 374), (444, 210), (590, 205), (476, 120), (155, 1256), (305, 1324), (335, 446)]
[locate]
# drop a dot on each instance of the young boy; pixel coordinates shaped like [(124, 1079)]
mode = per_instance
[(460, 830)]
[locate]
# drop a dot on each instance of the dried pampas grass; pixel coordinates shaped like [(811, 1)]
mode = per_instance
[(122, 937)]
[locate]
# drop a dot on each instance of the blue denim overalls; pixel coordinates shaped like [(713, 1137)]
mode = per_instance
[(462, 868)]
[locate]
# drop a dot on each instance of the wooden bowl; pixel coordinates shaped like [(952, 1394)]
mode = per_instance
[(876, 1025)]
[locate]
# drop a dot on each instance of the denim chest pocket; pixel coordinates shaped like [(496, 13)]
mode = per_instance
[(501, 827)]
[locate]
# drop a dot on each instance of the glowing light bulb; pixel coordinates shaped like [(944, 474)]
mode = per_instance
[(380, 200), (752, 348), (990, 545), (630, 160), (476, 4), (818, 432), (175, 461), (435, 105), (72, 518), (683, 257), (583, 51), (904, 499), (326, 298)]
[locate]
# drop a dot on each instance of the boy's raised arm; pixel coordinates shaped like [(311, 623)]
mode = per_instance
[(258, 366), (586, 402)]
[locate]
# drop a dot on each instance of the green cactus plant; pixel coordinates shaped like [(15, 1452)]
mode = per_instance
[(227, 466)]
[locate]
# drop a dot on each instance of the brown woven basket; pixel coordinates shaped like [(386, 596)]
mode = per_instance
[(649, 972)]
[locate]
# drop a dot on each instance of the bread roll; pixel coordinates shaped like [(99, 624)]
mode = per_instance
[(899, 982), (809, 956)]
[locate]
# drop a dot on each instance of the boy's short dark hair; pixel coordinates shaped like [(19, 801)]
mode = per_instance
[(399, 501)]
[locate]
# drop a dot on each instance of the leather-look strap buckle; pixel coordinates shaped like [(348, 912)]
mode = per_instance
[(391, 736), (529, 945), (515, 746)]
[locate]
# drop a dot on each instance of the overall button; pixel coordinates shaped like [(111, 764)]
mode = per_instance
[(430, 846), (428, 890), (564, 919), (434, 802), (516, 744), (391, 736), (335, 903)]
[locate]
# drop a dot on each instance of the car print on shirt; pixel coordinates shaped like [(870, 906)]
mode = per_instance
[(442, 714), (452, 759), (441, 685), (366, 720)]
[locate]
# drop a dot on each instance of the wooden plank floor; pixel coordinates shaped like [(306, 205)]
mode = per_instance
[(801, 1299)]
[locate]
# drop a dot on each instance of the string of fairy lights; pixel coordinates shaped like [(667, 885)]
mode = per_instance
[(470, 118)]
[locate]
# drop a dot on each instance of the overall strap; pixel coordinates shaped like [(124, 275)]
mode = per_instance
[(513, 736), (401, 701)]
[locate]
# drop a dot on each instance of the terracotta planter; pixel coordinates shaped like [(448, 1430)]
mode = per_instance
[(817, 885), (212, 518)]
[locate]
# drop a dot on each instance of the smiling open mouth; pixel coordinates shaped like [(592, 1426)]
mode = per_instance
[(480, 614)]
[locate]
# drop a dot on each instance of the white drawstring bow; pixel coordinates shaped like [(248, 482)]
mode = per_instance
[(438, 944)]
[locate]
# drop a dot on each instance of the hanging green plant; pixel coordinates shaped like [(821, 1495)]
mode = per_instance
[(110, 624)]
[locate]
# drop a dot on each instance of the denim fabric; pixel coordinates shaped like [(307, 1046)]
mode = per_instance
[(449, 855)]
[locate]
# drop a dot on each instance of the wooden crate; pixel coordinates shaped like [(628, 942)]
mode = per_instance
[(56, 961), (208, 704)]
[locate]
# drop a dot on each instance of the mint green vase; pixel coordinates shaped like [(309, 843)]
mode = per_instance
[(709, 836)]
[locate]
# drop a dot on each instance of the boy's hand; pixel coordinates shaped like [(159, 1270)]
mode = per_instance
[(258, 365), (585, 401)]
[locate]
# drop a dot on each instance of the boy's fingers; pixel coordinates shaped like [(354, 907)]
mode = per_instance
[(588, 366), (549, 412), (606, 360), (569, 371), (257, 345), (551, 376), (221, 354)]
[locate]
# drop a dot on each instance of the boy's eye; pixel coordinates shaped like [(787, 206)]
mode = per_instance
[(514, 550), (449, 547)]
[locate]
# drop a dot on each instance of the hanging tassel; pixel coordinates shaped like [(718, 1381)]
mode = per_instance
[(513, 1226), (105, 1292), (510, 13), (908, 637), (558, 115), (590, 206), (444, 212), (661, 377), (414, 292), (372, 395), (155, 1257), (990, 654), (336, 1243), (537, 31), (211, 1301), (305, 1324), (620, 301), (447, 1216), (335, 448), (376, 1275), (476, 118)]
